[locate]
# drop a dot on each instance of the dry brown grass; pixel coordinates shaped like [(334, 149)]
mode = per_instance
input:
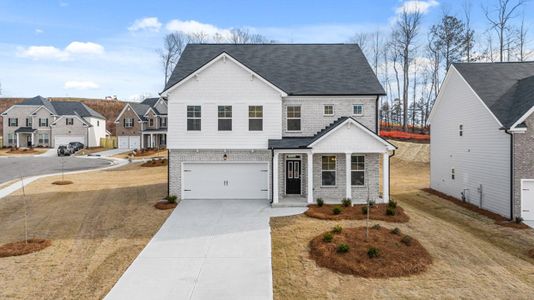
[(155, 163), (62, 182), (97, 227), (473, 258), (394, 259), (23, 247), (376, 212)]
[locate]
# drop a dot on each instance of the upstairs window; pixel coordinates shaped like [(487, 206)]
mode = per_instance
[(357, 169), (357, 109), (163, 122), (151, 122), (461, 130), (69, 121), (255, 118), (225, 118), (328, 110), (97, 123), (29, 122), (13, 122), (328, 170), (128, 122), (43, 122), (293, 118), (194, 114)]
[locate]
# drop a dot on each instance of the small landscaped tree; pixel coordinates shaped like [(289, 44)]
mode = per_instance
[(25, 210)]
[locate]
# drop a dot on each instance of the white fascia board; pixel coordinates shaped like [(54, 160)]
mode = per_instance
[(523, 118), (42, 106), (123, 110)]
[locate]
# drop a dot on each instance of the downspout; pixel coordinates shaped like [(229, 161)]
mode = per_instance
[(168, 172), (376, 112), (272, 175), (389, 174), (511, 173)]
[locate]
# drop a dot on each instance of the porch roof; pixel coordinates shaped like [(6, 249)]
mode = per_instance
[(290, 143), (25, 130)]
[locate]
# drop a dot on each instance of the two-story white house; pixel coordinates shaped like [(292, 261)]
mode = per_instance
[(285, 122)]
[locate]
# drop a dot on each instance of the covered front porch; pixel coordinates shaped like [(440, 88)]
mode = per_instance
[(25, 137), (154, 139)]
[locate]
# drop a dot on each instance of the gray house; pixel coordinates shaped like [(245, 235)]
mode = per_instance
[(482, 137), (40, 122)]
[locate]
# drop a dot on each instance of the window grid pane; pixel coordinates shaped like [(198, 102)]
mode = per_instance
[(357, 109), (328, 110)]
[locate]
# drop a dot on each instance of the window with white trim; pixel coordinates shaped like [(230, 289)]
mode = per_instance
[(43, 122), (194, 113), (255, 118), (357, 109), (328, 170), (162, 122), (43, 138), (293, 116), (11, 139), (225, 117), (13, 122), (151, 122), (328, 110), (461, 130), (128, 122), (29, 122), (69, 121), (357, 170)]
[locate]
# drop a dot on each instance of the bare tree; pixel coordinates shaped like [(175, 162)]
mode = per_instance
[(243, 36), (362, 39), (521, 40), (499, 19), (200, 37), (469, 36), (173, 46), (449, 38)]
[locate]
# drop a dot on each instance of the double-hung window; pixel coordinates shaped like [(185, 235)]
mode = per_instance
[(225, 117), (357, 109), (11, 139), (163, 122), (357, 170), (128, 122), (328, 170), (293, 118), (29, 122), (43, 122), (13, 122), (151, 122), (69, 121), (194, 114), (255, 118), (43, 138), (328, 110)]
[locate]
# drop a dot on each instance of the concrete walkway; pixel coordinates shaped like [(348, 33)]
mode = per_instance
[(207, 249), (109, 153)]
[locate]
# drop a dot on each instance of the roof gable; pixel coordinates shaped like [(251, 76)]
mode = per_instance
[(296, 69)]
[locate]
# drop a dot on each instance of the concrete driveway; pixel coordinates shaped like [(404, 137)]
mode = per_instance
[(14, 167), (207, 249)]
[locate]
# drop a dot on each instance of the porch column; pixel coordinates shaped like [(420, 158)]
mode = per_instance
[(31, 141), (385, 174), (348, 185), (152, 140), (275, 177), (142, 141), (310, 177), (18, 138)]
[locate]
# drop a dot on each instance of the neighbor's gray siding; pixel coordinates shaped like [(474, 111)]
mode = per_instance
[(62, 129), (20, 112), (176, 157), (312, 112), (523, 161)]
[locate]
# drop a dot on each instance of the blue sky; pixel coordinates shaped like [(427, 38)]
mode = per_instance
[(100, 48)]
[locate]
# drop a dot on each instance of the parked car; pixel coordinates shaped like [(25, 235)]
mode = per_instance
[(65, 150), (76, 146)]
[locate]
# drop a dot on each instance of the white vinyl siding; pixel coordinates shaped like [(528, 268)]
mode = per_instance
[(480, 157)]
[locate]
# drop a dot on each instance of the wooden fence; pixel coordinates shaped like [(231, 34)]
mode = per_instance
[(109, 142)]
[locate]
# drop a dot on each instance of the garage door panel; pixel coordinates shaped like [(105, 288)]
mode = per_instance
[(129, 142), (225, 181)]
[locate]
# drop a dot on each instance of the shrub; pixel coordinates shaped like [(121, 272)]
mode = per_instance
[(343, 248), (372, 203), (518, 220), (376, 226), (346, 202), (396, 231), (171, 198), (373, 252), (364, 210), (406, 240), (392, 204), (390, 211), (337, 229), (336, 210), (328, 237), (320, 202)]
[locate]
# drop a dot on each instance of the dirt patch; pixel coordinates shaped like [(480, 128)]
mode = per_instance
[(393, 257), (499, 220), (23, 247), (62, 182), (156, 163), (163, 205), (412, 152), (377, 212), (531, 253)]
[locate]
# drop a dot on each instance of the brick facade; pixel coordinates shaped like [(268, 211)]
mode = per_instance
[(523, 161)]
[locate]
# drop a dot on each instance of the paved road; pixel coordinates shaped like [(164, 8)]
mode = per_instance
[(207, 249), (14, 167)]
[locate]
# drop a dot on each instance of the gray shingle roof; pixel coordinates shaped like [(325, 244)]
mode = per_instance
[(506, 88), (38, 101), (297, 69), (140, 109), (74, 108)]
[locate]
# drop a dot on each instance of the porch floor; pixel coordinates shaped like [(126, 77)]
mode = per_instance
[(291, 202)]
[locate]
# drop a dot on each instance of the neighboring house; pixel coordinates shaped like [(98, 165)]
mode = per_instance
[(143, 125), (286, 122), (482, 137), (40, 122)]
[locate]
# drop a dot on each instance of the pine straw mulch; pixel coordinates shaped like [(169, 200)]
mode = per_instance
[(165, 205), (499, 220), (395, 258), (531, 252), (376, 212), (22, 248), (148, 152), (24, 151), (62, 182), (156, 163)]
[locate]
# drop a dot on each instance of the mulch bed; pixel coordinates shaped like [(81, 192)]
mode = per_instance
[(377, 212), (62, 182), (395, 258), (156, 163), (22, 248), (146, 152), (531, 253), (165, 205), (22, 151), (499, 220)]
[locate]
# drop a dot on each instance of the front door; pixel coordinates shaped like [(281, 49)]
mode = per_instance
[(293, 175), (29, 140)]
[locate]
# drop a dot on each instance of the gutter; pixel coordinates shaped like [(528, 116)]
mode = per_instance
[(376, 112), (272, 175), (511, 173), (389, 175), (168, 171)]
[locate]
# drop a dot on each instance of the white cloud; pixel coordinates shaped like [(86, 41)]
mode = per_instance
[(422, 6), (51, 52), (39, 31), (149, 24), (80, 85), (192, 26)]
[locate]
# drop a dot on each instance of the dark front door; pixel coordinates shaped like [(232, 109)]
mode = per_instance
[(29, 140), (293, 175)]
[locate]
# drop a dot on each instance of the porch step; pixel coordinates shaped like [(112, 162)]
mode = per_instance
[(289, 204)]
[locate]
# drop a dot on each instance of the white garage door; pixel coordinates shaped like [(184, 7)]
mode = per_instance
[(129, 142), (248, 180), (65, 139), (527, 199)]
